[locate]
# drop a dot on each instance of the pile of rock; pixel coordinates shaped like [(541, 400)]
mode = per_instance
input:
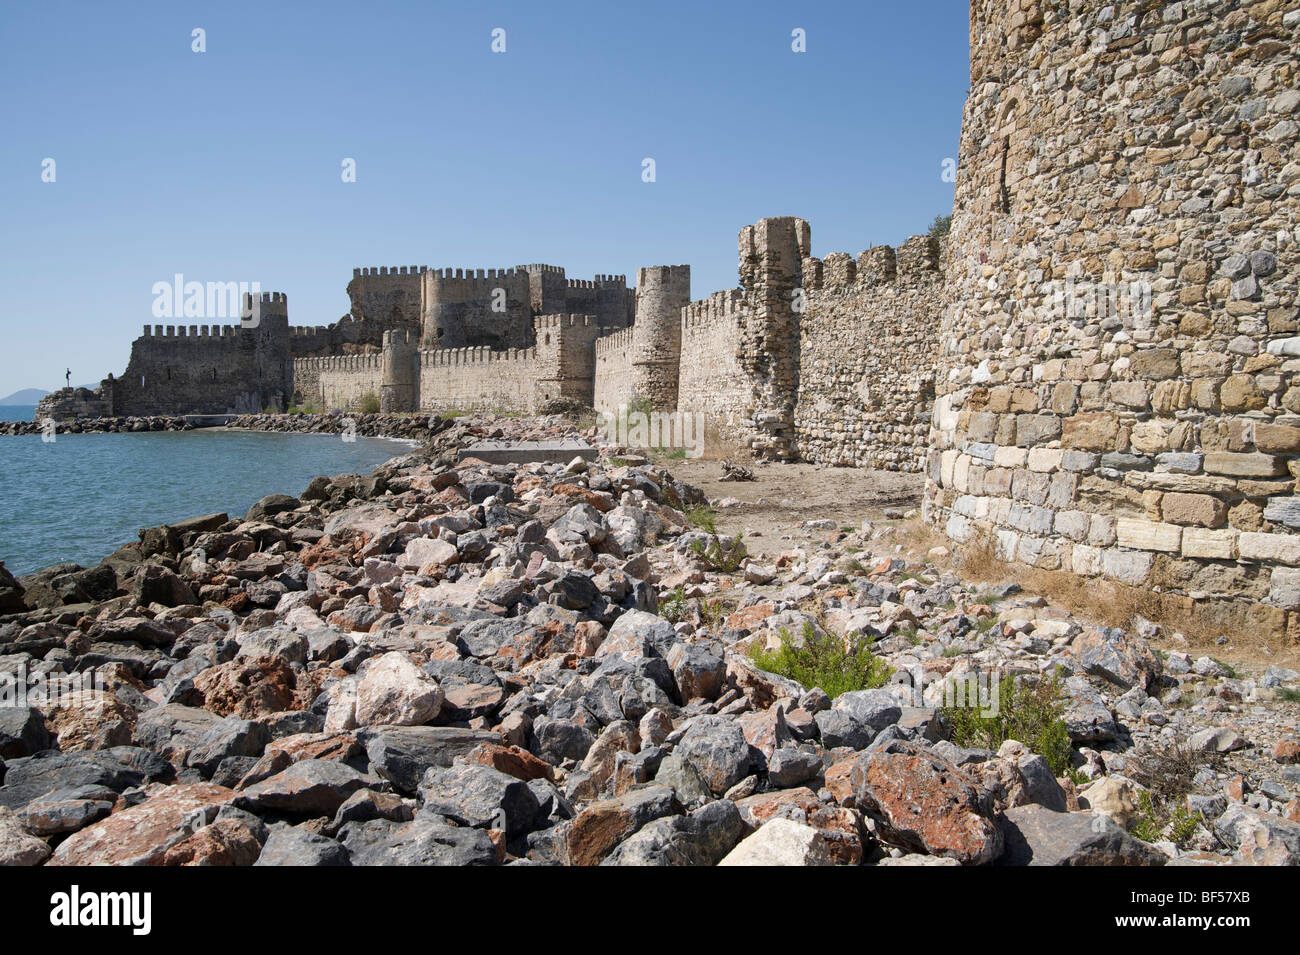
[(464, 663), (98, 425)]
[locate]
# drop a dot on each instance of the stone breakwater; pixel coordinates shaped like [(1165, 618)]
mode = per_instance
[(406, 426), (99, 425), (459, 663)]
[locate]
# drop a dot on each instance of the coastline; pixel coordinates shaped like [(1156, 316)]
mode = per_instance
[(394, 427)]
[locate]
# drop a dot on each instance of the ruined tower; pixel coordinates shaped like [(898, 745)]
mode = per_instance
[(662, 291), (1116, 395), (771, 272), (398, 390)]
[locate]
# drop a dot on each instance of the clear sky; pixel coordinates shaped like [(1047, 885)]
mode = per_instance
[(226, 165)]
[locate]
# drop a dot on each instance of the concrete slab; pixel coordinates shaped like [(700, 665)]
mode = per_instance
[(529, 452)]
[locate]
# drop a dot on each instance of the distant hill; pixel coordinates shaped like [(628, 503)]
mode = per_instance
[(27, 396)]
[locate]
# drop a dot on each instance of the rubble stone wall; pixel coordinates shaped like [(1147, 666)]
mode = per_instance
[(868, 337), (1117, 394)]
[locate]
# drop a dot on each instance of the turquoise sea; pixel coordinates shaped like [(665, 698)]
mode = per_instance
[(81, 496)]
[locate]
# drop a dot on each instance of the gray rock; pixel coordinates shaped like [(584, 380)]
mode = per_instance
[(309, 787), (22, 732), (426, 840), (292, 846), (715, 747), (471, 794), (230, 736), (31, 777), (1035, 835), (403, 754), (274, 642), (701, 838), (556, 740), (788, 767)]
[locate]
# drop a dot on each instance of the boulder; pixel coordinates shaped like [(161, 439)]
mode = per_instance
[(920, 802), (1035, 835), (781, 842)]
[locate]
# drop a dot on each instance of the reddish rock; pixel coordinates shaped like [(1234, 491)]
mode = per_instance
[(249, 688), (511, 760), (766, 730), (1287, 751), (919, 802), (224, 843), (1235, 788), (142, 834), (841, 828), (600, 827), (751, 617)]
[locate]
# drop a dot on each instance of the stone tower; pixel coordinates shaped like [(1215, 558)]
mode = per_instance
[(1116, 395), (771, 273), (662, 291), (398, 389)]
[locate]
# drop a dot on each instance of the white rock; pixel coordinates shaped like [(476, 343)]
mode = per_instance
[(393, 691), (781, 842)]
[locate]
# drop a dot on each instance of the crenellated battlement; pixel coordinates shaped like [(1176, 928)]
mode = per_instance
[(726, 305), (389, 270), (399, 337), (537, 268), (919, 257), (193, 333), (457, 357), (309, 331), (618, 341), (342, 363), (564, 321)]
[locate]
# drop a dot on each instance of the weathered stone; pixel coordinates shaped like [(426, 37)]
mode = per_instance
[(1035, 835)]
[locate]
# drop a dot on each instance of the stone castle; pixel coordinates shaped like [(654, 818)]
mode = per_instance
[(1094, 369)]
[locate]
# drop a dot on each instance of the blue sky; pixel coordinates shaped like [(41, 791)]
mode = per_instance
[(225, 165)]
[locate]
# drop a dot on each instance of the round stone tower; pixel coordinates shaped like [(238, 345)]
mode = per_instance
[(662, 291), (1116, 396), (398, 387)]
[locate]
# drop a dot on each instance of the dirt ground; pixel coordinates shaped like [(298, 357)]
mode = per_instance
[(783, 496)]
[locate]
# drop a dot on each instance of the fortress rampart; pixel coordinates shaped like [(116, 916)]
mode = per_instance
[(1117, 396)]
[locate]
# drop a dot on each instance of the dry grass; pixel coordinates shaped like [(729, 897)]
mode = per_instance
[(1108, 603)]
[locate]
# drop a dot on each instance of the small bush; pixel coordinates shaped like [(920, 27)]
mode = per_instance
[(1164, 819), (673, 607), (369, 403), (704, 517), (1288, 695), (719, 559), (1029, 711), (941, 225), (825, 662)]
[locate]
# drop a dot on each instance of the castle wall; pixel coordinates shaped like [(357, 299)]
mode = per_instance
[(484, 308), (613, 372), (387, 297), (712, 381), (202, 369), (1117, 396), (868, 335), (464, 379), (338, 382)]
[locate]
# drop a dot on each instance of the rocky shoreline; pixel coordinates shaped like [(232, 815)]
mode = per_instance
[(454, 662), (379, 425)]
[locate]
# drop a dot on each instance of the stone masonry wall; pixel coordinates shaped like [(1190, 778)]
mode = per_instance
[(867, 356), (712, 381), (1118, 393), (612, 387)]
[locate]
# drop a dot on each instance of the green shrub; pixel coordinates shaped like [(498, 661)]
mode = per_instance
[(673, 607), (941, 225), (825, 662), (703, 517), (717, 558), (1163, 819), (1288, 695), (1029, 711), (369, 403)]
